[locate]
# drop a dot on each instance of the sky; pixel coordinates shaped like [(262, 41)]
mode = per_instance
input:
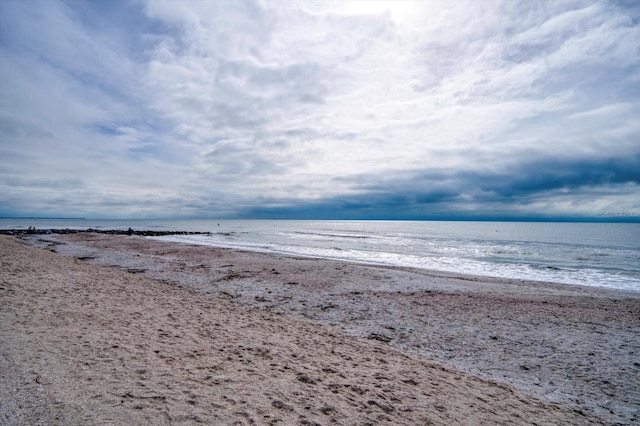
[(320, 110)]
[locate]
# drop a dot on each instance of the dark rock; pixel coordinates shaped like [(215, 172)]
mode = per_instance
[(380, 337), (327, 409), (306, 379), (32, 230)]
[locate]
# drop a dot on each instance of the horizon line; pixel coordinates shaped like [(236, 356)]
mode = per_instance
[(558, 219)]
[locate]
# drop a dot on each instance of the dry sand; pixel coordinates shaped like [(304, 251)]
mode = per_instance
[(181, 334)]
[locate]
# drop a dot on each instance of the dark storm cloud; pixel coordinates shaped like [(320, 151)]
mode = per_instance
[(450, 192)]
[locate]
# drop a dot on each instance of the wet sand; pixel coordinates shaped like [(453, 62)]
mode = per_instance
[(116, 329)]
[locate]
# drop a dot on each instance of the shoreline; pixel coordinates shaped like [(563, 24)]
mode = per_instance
[(435, 273), (531, 273), (557, 342)]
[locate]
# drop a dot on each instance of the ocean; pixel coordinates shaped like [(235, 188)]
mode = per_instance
[(592, 254)]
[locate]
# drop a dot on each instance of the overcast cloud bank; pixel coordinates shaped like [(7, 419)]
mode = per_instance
[(320, 109)]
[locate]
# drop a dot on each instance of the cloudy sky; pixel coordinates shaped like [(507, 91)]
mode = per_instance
[(296, 109)]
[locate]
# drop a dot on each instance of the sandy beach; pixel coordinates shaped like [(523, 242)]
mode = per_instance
[(102, 329)]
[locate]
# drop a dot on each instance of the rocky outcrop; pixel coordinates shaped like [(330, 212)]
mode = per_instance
[(145, 233)]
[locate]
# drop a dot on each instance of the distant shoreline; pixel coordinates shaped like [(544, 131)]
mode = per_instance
[(145, 233), (42, 218)]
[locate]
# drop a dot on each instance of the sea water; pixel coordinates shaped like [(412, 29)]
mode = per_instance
[(593, 254)]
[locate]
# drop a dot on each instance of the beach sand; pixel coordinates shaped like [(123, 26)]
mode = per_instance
[(128, 330)]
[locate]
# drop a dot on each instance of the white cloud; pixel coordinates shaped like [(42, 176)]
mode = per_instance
[(206, 107)]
